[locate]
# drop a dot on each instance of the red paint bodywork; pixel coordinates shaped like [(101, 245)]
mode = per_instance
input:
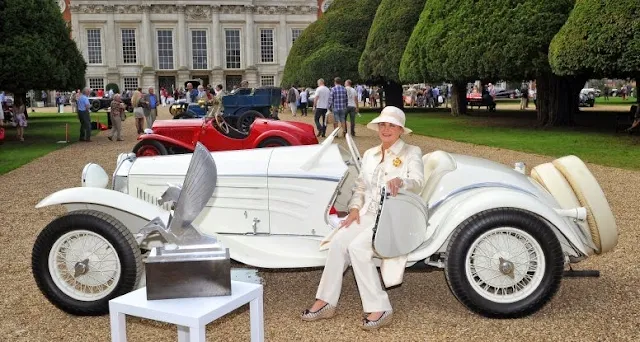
[(186, 133)]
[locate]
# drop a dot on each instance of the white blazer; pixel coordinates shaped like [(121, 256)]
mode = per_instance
[(401, 160)]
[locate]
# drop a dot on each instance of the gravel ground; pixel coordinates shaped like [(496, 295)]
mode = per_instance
[(593, 309)]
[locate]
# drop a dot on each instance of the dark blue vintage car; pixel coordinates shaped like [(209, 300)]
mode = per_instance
[(240, 108)]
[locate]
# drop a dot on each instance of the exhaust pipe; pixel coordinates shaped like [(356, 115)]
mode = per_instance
[(579, 213)]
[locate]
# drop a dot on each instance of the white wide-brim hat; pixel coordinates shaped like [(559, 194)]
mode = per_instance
[(390, 114)]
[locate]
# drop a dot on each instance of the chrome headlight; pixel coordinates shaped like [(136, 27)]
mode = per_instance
[(94, 176), (148, 131)]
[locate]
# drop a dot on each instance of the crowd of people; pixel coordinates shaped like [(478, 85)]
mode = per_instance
[(13, 113), (341, 102)]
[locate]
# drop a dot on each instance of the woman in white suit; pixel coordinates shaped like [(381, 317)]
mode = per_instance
[(395, 165)]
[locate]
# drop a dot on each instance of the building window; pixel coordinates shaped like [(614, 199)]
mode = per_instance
[(268, 81), (94, 46), (130, 83), (96, 83), (199, 49), (266, 45), (232, 45), (295, 34), (129, 46), (165, 49)]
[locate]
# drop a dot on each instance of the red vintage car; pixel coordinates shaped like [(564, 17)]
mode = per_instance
[(181, 136)]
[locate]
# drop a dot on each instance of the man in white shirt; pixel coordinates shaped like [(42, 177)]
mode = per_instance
[(304, 99), (320, 106), (352, 106)]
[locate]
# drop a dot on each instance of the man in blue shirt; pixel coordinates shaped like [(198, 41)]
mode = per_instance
[(83, 115), (150, 111), (338, 101)]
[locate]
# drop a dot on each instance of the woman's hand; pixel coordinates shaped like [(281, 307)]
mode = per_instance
[(354, 215), (394, 185)]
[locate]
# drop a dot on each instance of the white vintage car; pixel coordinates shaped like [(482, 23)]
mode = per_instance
[(503, 238)]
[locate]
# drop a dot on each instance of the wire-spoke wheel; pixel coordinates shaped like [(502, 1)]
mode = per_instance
[(504, 263), (83, 259), (84, 265)]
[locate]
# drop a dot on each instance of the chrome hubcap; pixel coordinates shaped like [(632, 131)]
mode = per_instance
[(506, 267), (81, 268)]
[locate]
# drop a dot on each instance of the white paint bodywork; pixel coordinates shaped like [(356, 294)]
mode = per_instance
[(134, 213), (272, 212)]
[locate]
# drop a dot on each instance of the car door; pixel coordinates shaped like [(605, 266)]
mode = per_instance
[(214, 140), (401, 224), (240, 203)]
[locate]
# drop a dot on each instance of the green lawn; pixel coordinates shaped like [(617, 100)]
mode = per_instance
[(616, 101), (41, 137), (604, 147)]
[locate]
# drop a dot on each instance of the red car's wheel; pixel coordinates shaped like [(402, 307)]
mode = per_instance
[(149, 148), (273, 142)]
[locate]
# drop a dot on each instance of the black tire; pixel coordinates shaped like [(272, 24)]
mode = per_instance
[(109, 228), (273, 142), (246, 119), (469, 230), (149, 144), (95, 105)]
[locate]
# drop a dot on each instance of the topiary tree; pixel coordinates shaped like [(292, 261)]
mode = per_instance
[(332, 45), (590, 42), (40, 56), (114, 86), (387, 40), (485, 40)]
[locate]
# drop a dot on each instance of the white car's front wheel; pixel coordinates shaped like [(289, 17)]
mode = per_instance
[(504, 263), (83, 259)]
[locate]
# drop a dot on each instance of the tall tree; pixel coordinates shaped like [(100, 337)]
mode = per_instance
[(592, 42), (37, 51), (332, 45), (387, 40), (471, 40)]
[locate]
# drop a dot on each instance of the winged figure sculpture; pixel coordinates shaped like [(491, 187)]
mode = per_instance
[(190, 199)]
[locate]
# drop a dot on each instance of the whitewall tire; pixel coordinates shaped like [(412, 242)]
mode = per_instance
[(602, 224)]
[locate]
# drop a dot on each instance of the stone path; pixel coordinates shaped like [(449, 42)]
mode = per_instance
[(601, 309)]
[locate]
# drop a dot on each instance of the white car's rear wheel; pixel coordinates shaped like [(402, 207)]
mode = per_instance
[(83, 259), (602, 224), (504, 263)]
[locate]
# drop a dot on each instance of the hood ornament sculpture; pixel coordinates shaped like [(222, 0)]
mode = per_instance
[(190, 199), (190, 264)]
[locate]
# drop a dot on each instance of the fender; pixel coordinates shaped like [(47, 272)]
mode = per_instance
[(275, 134), (484, 199), (132, 212), (167, 140)]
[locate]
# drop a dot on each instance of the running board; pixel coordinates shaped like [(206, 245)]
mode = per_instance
[(581, 274)]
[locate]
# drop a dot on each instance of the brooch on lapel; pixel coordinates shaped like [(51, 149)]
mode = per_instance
[(397, 162)]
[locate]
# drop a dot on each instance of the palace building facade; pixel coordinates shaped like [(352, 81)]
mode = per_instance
[(164, 44)]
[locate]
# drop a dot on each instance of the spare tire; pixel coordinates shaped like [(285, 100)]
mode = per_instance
[(552, 180), (602, 224)]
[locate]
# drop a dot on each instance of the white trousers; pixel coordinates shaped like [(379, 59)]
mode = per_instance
[(294, 107), (352, 245)]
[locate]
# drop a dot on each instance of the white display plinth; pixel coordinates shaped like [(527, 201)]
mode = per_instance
[(191, 315)]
